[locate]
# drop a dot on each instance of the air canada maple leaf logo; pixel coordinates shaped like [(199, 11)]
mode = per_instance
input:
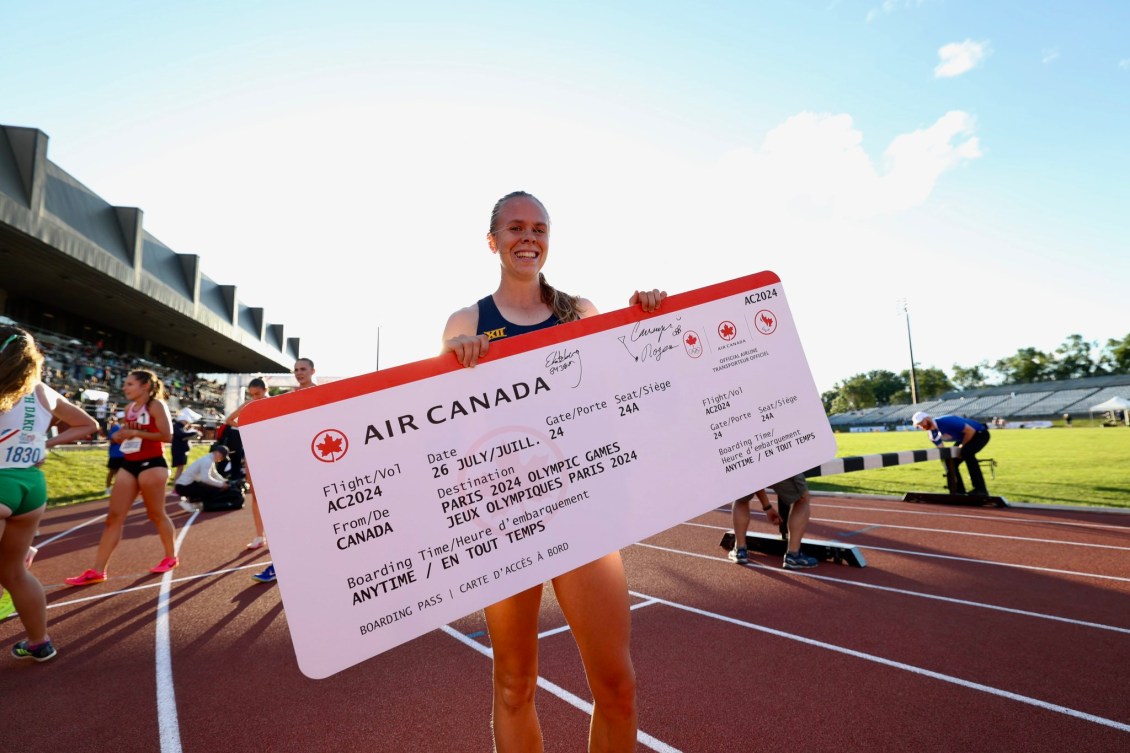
[(765, 321), (727, 331), (329, 445)]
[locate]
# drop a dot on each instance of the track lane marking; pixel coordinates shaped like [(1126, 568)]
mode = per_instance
[(896, 665), (168, 725), (989, 518), (642, 737), (904, 592), (119, 592)]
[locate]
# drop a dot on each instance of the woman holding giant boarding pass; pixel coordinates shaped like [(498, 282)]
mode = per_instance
[(593, 597)]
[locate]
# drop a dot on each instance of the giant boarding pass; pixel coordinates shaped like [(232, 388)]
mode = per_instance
[(401, 500)]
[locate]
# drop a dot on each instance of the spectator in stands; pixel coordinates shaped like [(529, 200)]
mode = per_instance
[(101, 411), (971, 436), (201, 481), (794, 501), (27, 408), (256, 390), (147, 427), (182, 433), (594, 597)]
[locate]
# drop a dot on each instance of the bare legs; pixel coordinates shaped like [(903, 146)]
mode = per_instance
[(16, 535), (151, 484), (594, 598)]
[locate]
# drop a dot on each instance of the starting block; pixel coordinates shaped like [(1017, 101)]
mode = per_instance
[(821, 550), (965, 500)]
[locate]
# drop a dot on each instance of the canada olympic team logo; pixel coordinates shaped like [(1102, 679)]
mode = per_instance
[(692, 343), (329, 445)]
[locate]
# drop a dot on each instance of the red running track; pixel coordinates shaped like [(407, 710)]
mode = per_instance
[(970, 630)]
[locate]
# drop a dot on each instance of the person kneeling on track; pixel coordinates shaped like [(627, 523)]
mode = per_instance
[(200, 481)]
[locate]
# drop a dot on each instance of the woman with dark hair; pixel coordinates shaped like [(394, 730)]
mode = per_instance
[(594, 597), (146, 427), (27, 407)]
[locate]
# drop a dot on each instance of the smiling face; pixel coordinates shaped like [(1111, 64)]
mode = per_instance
[(520, 237)]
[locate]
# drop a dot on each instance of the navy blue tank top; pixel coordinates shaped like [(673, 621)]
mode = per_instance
[(495, 327)]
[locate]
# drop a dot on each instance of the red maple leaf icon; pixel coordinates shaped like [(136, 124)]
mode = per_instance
[(691, 339), (768, 320), (727, 331), (330, 446)]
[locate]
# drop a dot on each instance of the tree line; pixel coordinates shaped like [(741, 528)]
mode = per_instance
[(1075, 358)]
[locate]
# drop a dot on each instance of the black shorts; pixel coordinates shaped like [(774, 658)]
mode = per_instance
[(114, 463), (180, 458), (135, 467)]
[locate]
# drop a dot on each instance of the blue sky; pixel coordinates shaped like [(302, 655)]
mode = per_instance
[(337, 161)]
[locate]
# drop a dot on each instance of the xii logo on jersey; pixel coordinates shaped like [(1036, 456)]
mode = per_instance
[(494, 334)]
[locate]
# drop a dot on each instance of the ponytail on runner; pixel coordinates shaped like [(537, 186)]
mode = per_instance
[(156, 386)]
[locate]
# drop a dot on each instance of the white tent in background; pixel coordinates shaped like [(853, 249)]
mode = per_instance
[(1116, 403)]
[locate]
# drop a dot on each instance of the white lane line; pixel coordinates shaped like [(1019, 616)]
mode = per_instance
[(167, 724), (95, 597), (566, 628), (873, 524), (74, 528), (997, 564), (990, 518), (70, 530), (985, 518), (897, 665), (958, 559), (642, 737), (901, 591), (973, 533)]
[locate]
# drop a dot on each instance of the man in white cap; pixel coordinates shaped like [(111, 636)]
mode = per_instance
[(971, 436)]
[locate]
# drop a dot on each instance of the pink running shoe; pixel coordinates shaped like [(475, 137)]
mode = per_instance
[(165, 565), (88, 578)]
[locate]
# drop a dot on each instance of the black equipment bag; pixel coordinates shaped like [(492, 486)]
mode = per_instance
[(228, 499)]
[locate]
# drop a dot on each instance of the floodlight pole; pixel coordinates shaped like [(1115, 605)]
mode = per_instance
[(378, 368), (910, 344)]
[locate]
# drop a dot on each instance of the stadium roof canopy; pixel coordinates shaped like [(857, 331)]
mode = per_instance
[(67, 248)]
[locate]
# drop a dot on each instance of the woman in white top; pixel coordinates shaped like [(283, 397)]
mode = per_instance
[(27, 408)]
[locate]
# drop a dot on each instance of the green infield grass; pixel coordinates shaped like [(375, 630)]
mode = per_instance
[(1077, 466), (78, 474)]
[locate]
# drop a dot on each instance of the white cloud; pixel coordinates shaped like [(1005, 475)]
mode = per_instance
[(957, 58), (816, 160), (1049, 55), (1124, 64)]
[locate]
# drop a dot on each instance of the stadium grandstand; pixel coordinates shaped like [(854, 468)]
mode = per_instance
[(103, 296), (1019, 403)]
